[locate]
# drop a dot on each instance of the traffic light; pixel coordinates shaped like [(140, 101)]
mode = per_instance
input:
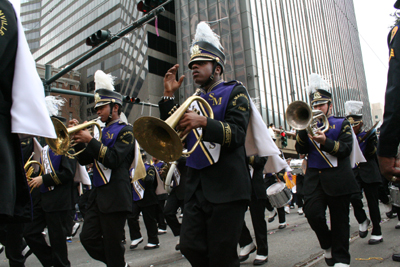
[(147, 5), (284, 141), (134, 100), (98, 37)]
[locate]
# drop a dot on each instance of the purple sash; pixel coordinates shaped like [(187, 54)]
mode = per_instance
[(316, 158), (54, 161), (109, 137), (218, 99)]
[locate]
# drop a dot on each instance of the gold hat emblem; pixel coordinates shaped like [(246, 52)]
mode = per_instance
[(97, 97), (317, 95), (195, 50), (351, 120)]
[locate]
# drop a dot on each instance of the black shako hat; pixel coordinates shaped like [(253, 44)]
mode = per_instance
[(397, 4), (206, 46)]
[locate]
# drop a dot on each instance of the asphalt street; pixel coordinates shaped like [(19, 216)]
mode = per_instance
[(296, 245)]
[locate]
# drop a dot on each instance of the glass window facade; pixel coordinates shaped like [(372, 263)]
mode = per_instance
[(272, 46)]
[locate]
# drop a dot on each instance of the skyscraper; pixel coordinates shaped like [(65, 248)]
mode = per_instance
[(271, 46)]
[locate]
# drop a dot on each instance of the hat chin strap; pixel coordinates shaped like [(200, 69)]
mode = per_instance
[(211, 78)]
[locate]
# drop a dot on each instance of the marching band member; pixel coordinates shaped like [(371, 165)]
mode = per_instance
[(53, 202), (161, 196), (257, 206), (329, 180), (111, 198), (22, 114), (145, 201), (218, 186), (367, 175), (176, 198)]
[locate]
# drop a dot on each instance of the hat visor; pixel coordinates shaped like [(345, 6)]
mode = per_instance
[(320, 102), (198, 59), (99, 104)]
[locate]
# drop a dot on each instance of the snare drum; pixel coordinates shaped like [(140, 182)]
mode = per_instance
[(279, 195), (395, 195)]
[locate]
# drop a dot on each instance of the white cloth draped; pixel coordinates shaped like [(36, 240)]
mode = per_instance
[(259, 142), (356, 155), (29, 116)]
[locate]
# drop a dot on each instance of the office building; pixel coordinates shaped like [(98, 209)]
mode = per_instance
[(271, 46)]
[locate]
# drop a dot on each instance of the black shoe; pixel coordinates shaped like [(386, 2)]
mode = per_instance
[(282, 226), (178, 247), (1, 248), (260, 262), (147, 247), (364, 234), (391, 215), (272, 218), (330, 261), (123, 241), (247, 250), (375, 241), (396, 257)]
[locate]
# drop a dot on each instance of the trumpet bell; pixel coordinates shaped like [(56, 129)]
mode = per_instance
[(299, 115), (61, 144), (157, 138)]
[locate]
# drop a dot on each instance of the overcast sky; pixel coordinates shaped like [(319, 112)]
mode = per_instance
[(374, 21)]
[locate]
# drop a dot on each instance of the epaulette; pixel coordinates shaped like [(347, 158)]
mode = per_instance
[(234, 82), (126, 123)]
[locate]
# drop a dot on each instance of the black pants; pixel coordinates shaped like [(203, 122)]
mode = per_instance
[(149, 217), (372, 194), (281, 211), (170, 209), (337, 237), (257, 211), (11, 238), (57, 254), (160, 214), (101, 236), (210, 232)]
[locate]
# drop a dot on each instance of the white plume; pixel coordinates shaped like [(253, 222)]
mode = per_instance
[(54, 104), (353, 107), (204, 33), (315, 82), (103, 81)]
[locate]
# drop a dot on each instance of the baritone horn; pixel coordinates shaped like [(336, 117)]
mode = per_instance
[(159, 138), (62, 144), (170, 174), (300, 116), (29, 169)]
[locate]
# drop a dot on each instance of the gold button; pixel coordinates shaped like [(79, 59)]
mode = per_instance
[(319, 171)]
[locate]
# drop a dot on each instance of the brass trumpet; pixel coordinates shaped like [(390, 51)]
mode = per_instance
[(300, 116), (159, 138), (62, 144)]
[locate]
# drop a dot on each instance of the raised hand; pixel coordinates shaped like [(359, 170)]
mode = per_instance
[(170, 82)]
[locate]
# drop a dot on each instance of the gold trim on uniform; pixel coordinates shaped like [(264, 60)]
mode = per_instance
[(215, 84), (55, 178), (204, 149), (3, 22), (391, 54), (373, 152), (394, 31), (335, 148), (102, 153), (124, 141), (237, 97), (251, 160), (227, 133), (299, 140)]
